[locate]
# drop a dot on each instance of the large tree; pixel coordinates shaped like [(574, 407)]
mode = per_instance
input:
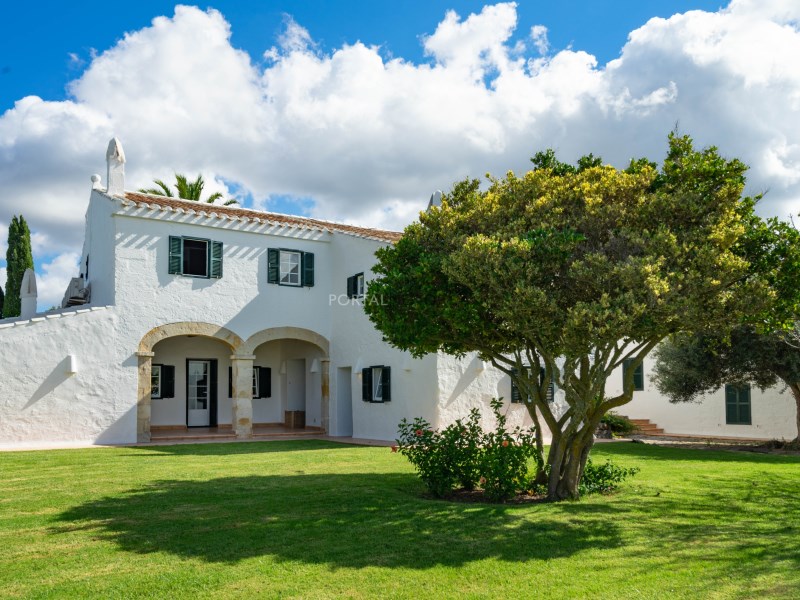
[(689, 366), (19, 257), (187, 190), (574, 270)]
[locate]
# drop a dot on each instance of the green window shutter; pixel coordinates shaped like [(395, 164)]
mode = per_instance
[(744, 406), (215, 260), (386, 384), (351, 286), (307, 265), (230, 382), (273, 265), (175, 255), (264, 382), (366, 384), (167, 381), (638, 375), (638, 378), (515, 395), (731, 412)]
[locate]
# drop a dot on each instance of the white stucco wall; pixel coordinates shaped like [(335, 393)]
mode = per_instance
[(98, 247), (241, 300), (773, 413), (40, 402), (356, 343)]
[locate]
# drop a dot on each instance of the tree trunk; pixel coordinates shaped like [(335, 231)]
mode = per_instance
[(795, 387), (567, 460)]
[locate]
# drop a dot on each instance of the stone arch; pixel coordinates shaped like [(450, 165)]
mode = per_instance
[(286, 333), (162, 332)]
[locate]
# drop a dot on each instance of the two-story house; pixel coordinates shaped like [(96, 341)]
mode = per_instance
[(190, 317), (195, 315)]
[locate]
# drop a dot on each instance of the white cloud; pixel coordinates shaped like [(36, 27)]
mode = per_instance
[(539, 37), (52, 281), (369, 138)]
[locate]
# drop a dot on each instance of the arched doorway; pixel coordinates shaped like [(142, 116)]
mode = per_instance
[(298, 362), (182, 366)]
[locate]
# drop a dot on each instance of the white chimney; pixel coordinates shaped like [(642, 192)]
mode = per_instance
[(115, 159), (28, 295)]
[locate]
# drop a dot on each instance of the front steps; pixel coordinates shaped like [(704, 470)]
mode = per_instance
[(645, 427)]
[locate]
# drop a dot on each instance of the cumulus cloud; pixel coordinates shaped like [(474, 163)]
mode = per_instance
[(355, 136)]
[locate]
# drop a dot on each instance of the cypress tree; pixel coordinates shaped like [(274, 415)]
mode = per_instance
[(18, 258)]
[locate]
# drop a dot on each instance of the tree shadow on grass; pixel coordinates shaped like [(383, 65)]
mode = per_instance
[(344, 520)]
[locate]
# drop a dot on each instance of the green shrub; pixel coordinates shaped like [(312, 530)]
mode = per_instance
[(463, 455), (504, 464), (618, 425), (425, 449), (604, 478)]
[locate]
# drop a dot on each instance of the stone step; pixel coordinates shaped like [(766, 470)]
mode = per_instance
[(646, 427)]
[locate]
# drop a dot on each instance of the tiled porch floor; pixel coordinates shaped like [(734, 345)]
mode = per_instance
[(226, 433)]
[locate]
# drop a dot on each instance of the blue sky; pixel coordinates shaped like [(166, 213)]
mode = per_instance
[(357, 111), (36, 52)]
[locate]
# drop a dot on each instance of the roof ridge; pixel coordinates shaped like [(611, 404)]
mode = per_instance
[(136, 196)]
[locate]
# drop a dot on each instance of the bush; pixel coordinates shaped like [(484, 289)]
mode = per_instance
[(504, 464), (463, 455), (618, 425), (603, 479)]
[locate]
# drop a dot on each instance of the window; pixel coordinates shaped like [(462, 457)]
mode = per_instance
[(516, 396), (290, 267), (194, 257), (262, 382), (376, 384), (162, 381), (155, 381), (355, 286), (737, 405), (638, 375)]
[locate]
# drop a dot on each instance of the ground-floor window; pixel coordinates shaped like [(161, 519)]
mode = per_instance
[(376, 385), (737, 405)]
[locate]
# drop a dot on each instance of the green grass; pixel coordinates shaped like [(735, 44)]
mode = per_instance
[(311, 519)]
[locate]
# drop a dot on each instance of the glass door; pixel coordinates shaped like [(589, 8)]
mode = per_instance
[(199, 393)]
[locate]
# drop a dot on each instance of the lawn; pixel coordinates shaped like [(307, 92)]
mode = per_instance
[(313, 519)]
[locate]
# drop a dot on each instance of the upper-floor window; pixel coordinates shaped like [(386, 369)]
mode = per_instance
[(195, 257), (355, 286), (290, 267), (376, 384), (638, 374)]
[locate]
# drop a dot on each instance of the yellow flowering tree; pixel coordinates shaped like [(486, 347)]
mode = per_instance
[(569, 271)]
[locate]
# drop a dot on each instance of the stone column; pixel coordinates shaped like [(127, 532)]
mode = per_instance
[(242, 402), (143, 396), (326, 394)]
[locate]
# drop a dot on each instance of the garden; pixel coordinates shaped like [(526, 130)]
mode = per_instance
[(317, 519)]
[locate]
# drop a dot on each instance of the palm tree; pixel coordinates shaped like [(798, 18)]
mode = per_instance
[(187, 190)]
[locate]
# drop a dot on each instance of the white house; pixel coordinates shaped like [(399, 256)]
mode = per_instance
[(189, 315)]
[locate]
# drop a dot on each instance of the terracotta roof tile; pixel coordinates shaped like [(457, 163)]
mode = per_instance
[(291, 220)]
